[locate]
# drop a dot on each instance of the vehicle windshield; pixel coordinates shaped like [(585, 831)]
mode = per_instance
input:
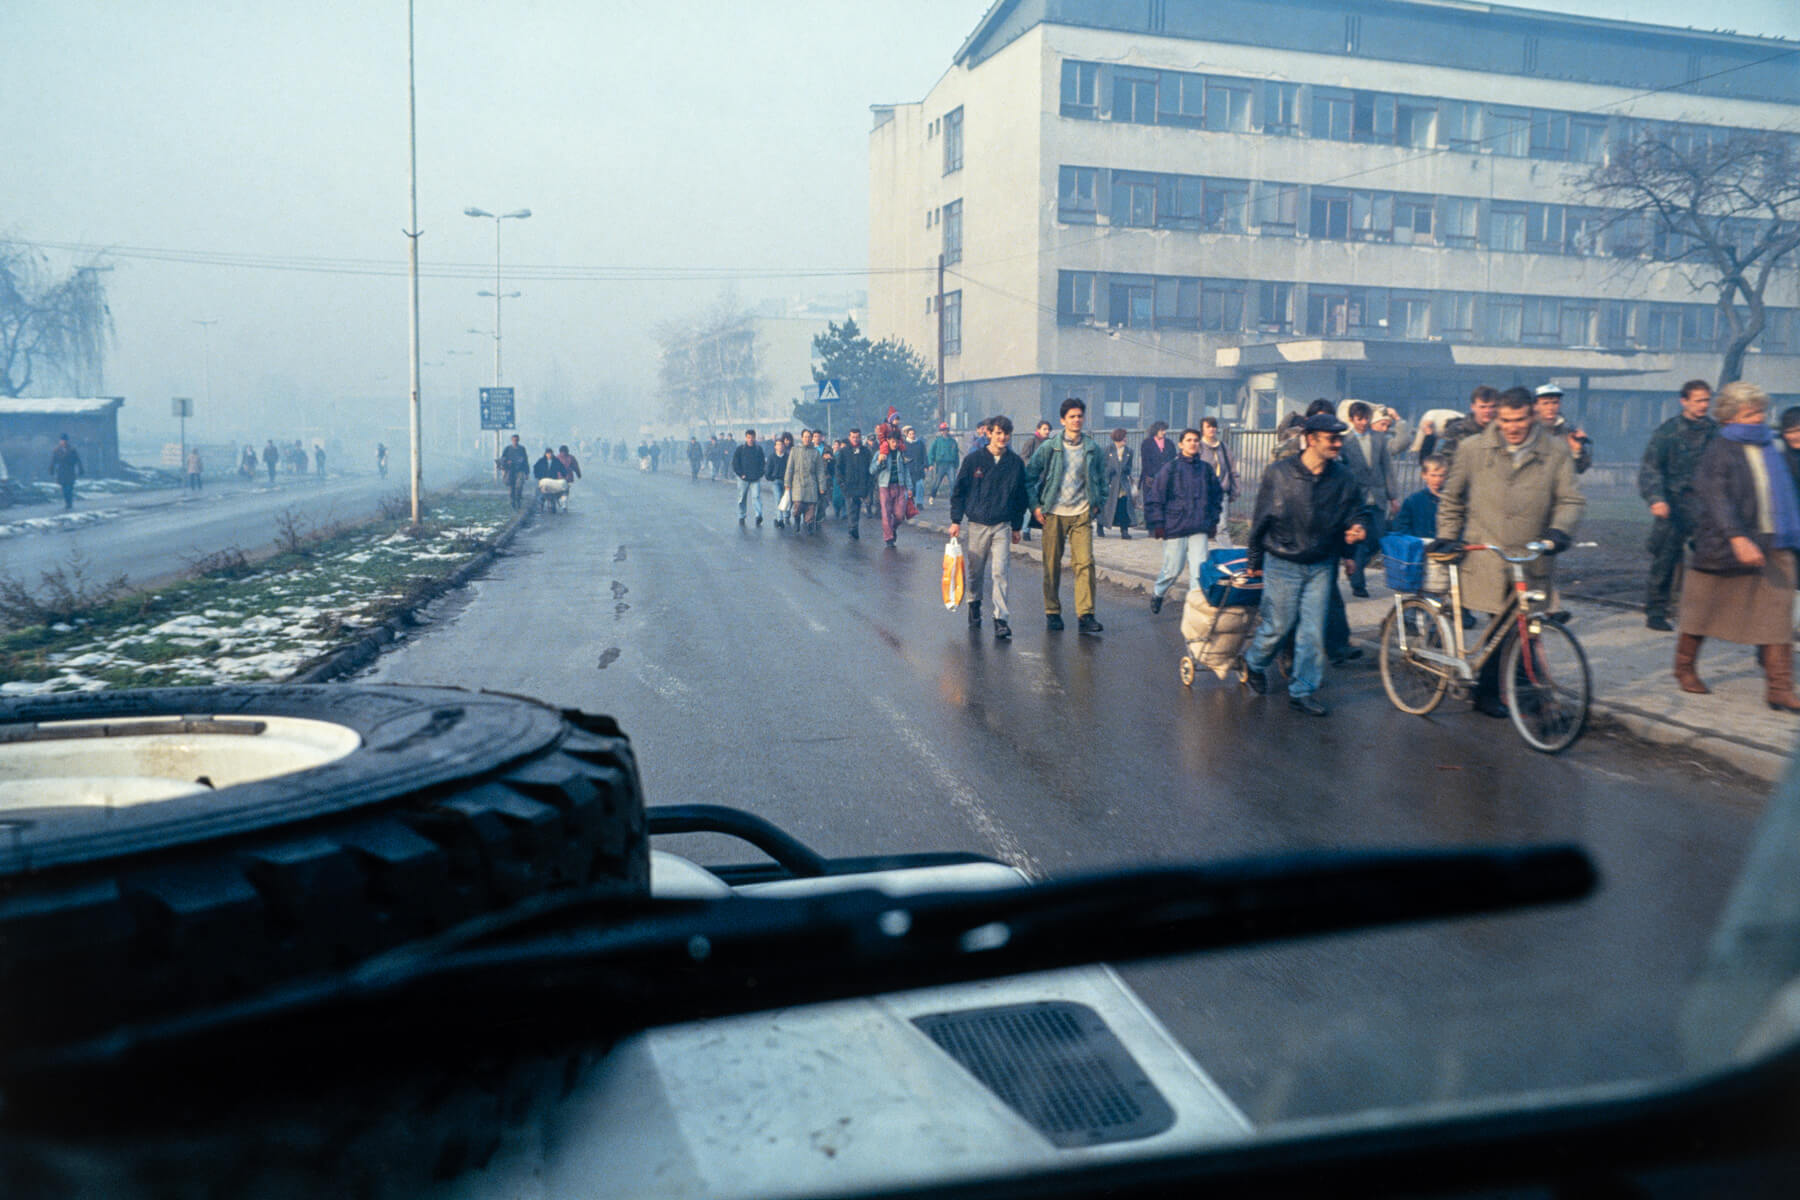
[(1040, 431)]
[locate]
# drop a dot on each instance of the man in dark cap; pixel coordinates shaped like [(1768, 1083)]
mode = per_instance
[(65, 465), (1309, 510)]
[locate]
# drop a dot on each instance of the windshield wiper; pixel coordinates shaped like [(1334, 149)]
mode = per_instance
[(591, 967)]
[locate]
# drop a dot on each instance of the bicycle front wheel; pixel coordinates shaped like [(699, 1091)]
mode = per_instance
[(1545, 683), (1413, 684)]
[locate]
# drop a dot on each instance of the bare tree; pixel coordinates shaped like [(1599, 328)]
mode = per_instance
[(1725, 209), (50, 326)]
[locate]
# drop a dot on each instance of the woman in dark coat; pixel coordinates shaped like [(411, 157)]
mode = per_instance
[(1740, 579), (1117, 509)]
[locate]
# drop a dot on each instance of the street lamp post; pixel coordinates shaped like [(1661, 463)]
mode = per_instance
[(497, 294)]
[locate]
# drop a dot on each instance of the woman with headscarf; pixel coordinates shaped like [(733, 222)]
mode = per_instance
[(1740, 579)]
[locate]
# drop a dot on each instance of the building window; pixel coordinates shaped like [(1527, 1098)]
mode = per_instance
[(952, 322), (1277, 208), (953, 140), (1412, 220), (1454, 315), (1579, 324), (1544, 228), (1371, 217), (1130, 305), (1280, 108), (1331, 314), (1275, 307), (1373, 119), (1459, 125), (1458, 218), (953, 239), (1224, 205), (1540, 319), (1171, 405), (1077, 199), (1506, 228), (1178, 201), (1080, 89), (1177, 303), (1134, 201), (1505, 314), (1228, 107), (1550, 135), (1134, 98), (1581, 231), (1330, 216), (1699, 327), (1222, 306), (1331, 116), (1415, 125), (1508, 132), (1587, 140), (1121, 402), (1075, 297), (1182, 99), (1410, 317)]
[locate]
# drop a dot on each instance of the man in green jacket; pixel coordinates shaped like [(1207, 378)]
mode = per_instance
[(1066, 479), (943, 458)]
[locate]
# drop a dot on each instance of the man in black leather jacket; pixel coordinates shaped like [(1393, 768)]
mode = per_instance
[(1309, 510)]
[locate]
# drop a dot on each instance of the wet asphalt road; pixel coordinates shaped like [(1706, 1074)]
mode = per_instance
[(155, 535), (820, 683)]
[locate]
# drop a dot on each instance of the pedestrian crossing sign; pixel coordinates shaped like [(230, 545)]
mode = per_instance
[(828, 391)]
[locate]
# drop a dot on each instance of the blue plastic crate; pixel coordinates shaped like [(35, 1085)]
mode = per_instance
[(1403, 558)]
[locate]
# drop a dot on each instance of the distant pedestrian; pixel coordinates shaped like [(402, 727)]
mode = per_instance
[(1309, 509), (1181, 506), (194, 469), (1038, 437), (942, 459), (748, 465), (247, 465), (319, 461), (893, 481), (1115, 509), (1216, 453), (852, 469), (515, 467), (1740, 585), (989, 492), (548, 467), (1546, 403), (1155, 452), (655, 456), (272, 459), (1370, 459), (1665, 481), (695, 457), (917, 463), (65, 467), (1067, 481), (805, 482), (777, 473)]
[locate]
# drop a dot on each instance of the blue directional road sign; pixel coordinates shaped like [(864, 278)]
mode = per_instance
[(496, 408), (830, 392)]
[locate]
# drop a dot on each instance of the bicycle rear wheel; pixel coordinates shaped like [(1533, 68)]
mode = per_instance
[(1414, 685), (1545, 683)]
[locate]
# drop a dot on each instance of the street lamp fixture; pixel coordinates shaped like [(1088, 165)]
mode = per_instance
[(518, 214)]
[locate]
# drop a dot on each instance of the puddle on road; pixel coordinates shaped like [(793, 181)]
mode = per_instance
[(618, 590), (619, 554), (608, 657), (620, 609)]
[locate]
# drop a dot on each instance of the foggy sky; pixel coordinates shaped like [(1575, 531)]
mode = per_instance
[(718, 137)]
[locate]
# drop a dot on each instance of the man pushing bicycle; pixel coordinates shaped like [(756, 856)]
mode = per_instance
[(1510, 484)]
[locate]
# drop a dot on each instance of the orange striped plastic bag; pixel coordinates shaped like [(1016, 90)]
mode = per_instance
[(953, 574)]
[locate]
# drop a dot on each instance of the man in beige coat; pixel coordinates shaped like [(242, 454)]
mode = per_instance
[(805, 481), (1510, 484)]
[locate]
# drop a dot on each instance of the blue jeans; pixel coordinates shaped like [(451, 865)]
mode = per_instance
[(1192, 547), (745, 487), (1295, 596)]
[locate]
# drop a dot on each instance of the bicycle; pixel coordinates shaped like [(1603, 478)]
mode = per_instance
[(1544, 678)]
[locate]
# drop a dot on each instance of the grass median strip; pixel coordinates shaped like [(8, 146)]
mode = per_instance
[(261, 625)]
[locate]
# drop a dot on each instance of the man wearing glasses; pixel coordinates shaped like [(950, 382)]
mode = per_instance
[(1309, 510)]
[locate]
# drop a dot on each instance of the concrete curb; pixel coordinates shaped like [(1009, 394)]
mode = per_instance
[(347, 659)]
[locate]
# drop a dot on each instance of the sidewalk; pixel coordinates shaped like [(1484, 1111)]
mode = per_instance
[(1631, 665)]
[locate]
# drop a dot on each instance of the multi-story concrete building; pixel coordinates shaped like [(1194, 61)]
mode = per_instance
[(1179, 207)]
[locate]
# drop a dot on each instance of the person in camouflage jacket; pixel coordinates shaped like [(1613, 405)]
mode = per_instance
[(1665, 483), (1484, 404)]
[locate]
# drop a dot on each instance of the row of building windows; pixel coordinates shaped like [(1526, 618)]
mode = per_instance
[(1167, 302), (1143, 200), (1140, 96), (950, 126)]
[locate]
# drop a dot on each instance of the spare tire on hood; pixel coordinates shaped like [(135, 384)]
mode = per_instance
[(168, 848)]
